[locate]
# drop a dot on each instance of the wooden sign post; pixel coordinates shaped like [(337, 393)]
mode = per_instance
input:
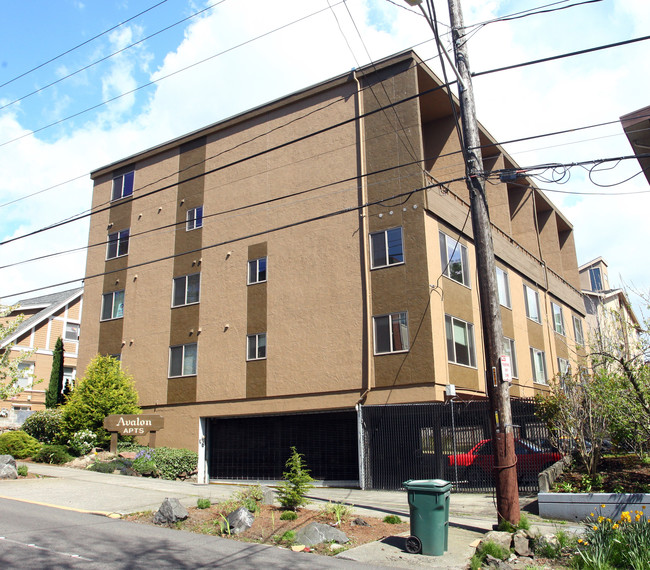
[(133, 424)]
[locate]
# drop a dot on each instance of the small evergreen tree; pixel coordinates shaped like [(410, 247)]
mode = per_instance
[(297, 482), (105, 389), (54, 395)]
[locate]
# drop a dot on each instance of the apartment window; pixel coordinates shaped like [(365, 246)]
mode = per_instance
[(69, 374), (596, 279), (25, 376), (257, 270), (509, 350), (454, 259), (122, 186), (460, 341), (186, 290), (558, 319), (386, 248), (118, 244), (538, 361), (577, 331), (113, 305), (182, 360), (531, 297), (564, 367), (503, 285), (391, 333), (71, 332), (194, 219), (256, 346)]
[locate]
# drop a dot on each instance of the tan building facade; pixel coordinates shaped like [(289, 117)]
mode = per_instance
[(314, 254), (46, 318)]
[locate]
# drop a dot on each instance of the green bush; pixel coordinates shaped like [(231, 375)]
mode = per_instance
[(19, 444), (144, 463), (44, 425), (288, 516), (297, 482), (102, 467), (174, 463), (203, 503), (53, 454), (82, 442), (22, 470), (392, 519)]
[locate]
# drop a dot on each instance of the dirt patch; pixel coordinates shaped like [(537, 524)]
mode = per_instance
[(620, 474), (268, 527)]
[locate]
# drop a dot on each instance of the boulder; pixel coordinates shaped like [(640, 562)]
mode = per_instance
[(315, 533), (268, 496), (170, 512), (7, 460), (240, 520), (8, 471), (501, 538), (521, 544), (359, 522)]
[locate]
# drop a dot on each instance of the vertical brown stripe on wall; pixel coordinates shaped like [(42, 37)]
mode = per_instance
[(256, 322), (185, 319)]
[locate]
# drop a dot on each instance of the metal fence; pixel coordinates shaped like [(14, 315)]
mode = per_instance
[(449, 440)]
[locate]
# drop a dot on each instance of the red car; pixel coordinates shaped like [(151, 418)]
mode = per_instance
[(479, 461)]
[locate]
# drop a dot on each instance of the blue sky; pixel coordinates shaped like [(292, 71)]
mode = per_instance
[(314, 40)]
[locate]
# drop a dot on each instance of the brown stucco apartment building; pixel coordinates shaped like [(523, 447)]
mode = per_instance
[(264, 276)]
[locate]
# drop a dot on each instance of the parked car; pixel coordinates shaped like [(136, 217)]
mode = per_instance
[(478, 462)]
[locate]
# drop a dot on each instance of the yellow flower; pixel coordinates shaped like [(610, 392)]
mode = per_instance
[(594, 527), (609, 520), (600, 519), (591, 514), (579, 541), (636, 518), (643, 507), (615, 526), (602, 506)]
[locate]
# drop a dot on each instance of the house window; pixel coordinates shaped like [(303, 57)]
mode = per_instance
[(596, 279), (256, 346), (25, 376), (454, 259), (257, 270), (113, 305), (503, 285), (538, 361), (386, 248), (564, 367), (182, 360), (122, 186), (577, 331), (531, 297), (186, 290), (391, 333), (460, 341), (558, 320), (69, 374), (118, 244), (194, 219), (509, 350), (71, 332)]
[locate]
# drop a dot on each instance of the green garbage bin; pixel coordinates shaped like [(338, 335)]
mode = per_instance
[(429, 509)]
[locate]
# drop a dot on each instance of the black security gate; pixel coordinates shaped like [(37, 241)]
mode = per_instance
[(257, 447)]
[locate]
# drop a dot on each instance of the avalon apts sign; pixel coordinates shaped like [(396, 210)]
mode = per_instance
[(133, 424)]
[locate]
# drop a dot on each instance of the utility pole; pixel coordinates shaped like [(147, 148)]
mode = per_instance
[(505, 472)]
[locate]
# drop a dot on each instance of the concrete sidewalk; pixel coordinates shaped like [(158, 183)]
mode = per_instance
[(471, 515)]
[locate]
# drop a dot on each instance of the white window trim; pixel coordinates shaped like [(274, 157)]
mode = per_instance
[(386, 253), (390, 332), (186, 278), (112, 295), (464, 259), (471, 348), (256, 337), (526, 302), (506, 281), (122, 177), (26, 370), (118, 240), (256, 264), (513, 356), (581, 341), (562, 330), (560, 361), (184, 347), (534, 352), (65, 330), (192, 224)]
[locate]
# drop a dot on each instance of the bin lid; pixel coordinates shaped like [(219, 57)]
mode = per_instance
[(435, 485)]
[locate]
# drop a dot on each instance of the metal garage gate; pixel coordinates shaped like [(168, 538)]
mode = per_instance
[(257, 447)]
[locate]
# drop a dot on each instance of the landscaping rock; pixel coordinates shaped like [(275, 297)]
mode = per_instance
[(315, 533), (8, 471), (170, 512), (7, 460), (359, 522), (499, 537), (492, 562), (268, 496), (240, 520), (522, 544)]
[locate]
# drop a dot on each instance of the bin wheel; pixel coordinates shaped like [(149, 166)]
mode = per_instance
[(413, 545)]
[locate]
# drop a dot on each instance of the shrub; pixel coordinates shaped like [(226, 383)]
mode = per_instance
[(288, 516), (102, 467), (82, 442), (22, 470), (53, 454), (338, 511), (44, 425), (392, 519), (203, 503), (19, 444), (175, 463), (144, 463), (297, 482)]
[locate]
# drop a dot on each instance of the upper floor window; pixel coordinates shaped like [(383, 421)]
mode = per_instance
[(194, 218), (25, 377), (118, 244), (509, 350), (538, 362), (577, 331), (113, 305), (531, 297), (186, 290), (564, 367), (558, 319), (386, 248), (257, 270), (596, 279), (69, 375), (391, 333), (460, 341), (71, 332), (122, 186), (503, 285), (256, 346), (182, 360), (454, 259)]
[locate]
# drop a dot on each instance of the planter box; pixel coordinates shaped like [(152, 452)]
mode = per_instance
[(579, 506)]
